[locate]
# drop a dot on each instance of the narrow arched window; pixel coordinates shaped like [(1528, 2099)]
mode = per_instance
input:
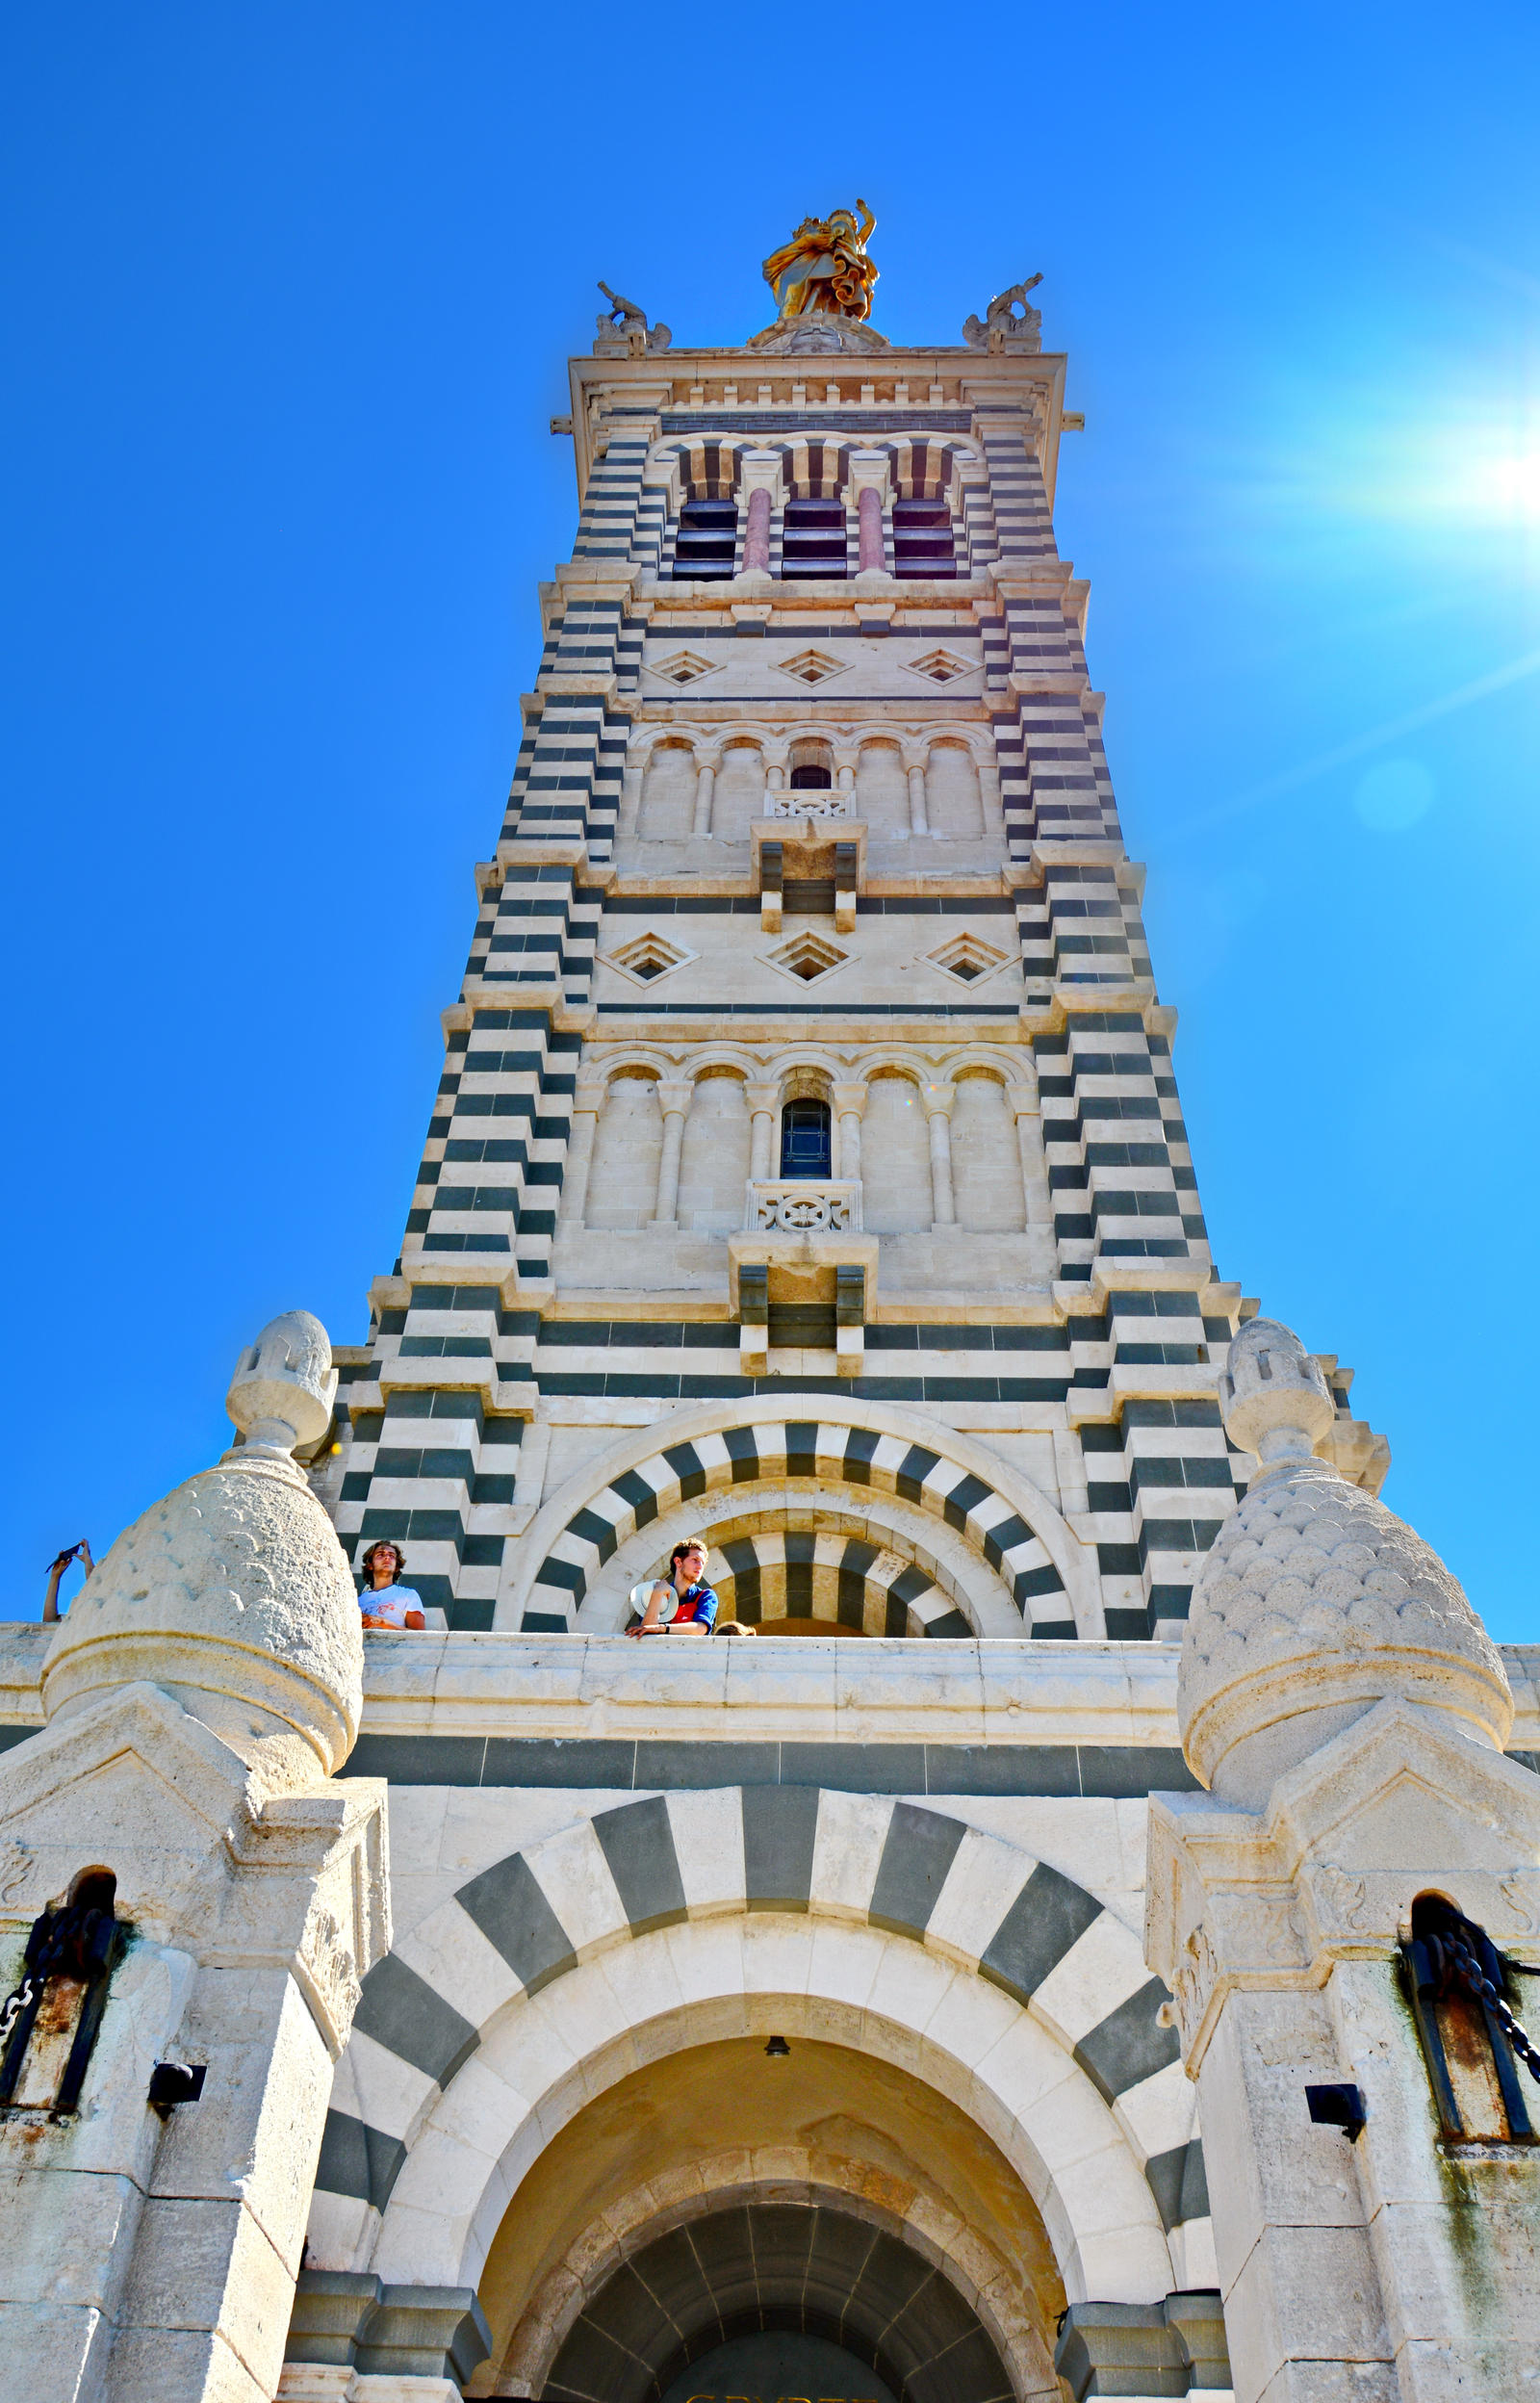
[(813, 538), (707, 540), (923, 539), (812, 766), (804, 1150)]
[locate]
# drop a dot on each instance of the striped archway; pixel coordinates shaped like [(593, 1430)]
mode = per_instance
[(788, 1560), (1046, 1579), (984, 1970)]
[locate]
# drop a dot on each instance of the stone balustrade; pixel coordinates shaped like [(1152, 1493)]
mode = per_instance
[(799, 1205), (808, 804)]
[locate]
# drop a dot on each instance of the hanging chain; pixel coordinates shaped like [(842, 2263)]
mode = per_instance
[(1454, 1958), (16, 2004), (61, 1940)]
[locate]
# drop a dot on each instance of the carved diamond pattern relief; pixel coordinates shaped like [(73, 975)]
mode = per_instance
[(812, 667), (940, 667), (682, 667), (647, 957), (809, 958), (967, 959)]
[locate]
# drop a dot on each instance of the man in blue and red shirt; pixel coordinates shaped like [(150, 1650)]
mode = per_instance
[(696, 1613)]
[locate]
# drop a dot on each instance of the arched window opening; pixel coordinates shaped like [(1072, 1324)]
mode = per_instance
[(923, 539), (812, 766), (707, 537), (804, 1139), (813, 538), (95, 1890)]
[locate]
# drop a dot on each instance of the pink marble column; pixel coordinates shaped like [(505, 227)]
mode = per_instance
[(869, 507), (756, 532)]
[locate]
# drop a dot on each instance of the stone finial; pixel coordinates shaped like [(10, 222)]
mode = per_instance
[(285, 1386), (1274, 1396), (1316, 1601), (232, 1593)]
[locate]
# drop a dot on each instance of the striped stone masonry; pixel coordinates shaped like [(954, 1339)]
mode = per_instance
[(666, 965), (626, 1873)]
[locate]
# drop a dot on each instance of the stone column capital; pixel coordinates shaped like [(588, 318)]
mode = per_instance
[(938, 1099), (760, 470), (850, 1100), (761, 1098), (673, 1096), (588, 1096), (869, 472)]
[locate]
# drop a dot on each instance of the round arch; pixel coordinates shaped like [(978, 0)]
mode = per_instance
[(990, 2282), (645, 740), (604, 1060), (897, 1063), (542, 2055), (809, 2269), (883, 1928), (627, 1062), (1015, 1070), (799, 1059), (877, 1566), (1000, 1513), (977, 738)]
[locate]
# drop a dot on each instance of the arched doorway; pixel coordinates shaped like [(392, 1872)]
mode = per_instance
[(786, 1997), (779, 2184), (819, 2280)]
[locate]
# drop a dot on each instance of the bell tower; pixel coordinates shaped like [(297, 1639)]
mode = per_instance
[(807, 1165)]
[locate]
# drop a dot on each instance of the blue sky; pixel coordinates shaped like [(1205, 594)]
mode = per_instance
[(288, 296)]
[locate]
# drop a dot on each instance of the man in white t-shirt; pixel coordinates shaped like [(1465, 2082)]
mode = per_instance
[(385, 1602)]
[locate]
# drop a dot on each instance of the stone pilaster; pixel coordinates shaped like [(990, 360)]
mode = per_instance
[(1343, 1701), (199, 1695)]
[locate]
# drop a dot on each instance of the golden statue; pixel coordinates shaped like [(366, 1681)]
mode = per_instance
[(822, 270)]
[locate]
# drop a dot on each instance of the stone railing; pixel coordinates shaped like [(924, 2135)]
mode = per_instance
[(814, 804), (803, 1206)]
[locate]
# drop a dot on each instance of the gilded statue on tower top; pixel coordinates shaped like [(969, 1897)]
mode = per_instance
[(823, 270), (822, 279)]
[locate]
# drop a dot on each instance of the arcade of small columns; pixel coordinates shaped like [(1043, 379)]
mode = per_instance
[(867, 480), (765, 1087), (869, 484), (904, 781)]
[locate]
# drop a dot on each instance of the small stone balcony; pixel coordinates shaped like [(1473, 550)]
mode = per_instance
[(813, 804), (803, 1206)]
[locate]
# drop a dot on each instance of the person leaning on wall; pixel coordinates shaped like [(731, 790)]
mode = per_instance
[(697, 1603), (385, 1602)]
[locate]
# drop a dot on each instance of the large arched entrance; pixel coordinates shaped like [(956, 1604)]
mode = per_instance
[(770, 2185), (711, 2001)]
